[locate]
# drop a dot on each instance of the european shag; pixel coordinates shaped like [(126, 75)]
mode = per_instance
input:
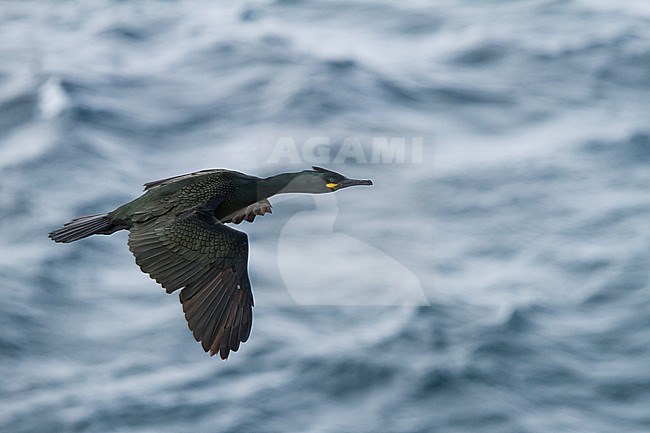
[(178, 235)]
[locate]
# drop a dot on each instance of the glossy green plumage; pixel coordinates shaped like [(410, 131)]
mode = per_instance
[(178, 235)]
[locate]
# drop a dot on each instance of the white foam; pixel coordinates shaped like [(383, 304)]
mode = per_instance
[(52, 99)]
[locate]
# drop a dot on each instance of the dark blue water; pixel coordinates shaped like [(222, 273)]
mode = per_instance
[(498, 282)]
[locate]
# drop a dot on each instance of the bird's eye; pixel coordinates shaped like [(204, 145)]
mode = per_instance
[(332, 180)]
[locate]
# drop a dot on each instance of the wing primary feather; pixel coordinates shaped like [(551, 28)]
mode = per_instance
[(248, 324), (203, 321), (198, 305), (199, 317), (215, 312), (224, 346), (234, 336), (219, 325), (214, 325)]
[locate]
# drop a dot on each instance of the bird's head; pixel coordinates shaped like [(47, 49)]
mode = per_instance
[(316, 181), (320, 180)]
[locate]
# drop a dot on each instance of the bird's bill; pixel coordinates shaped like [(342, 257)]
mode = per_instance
[(349, 182)]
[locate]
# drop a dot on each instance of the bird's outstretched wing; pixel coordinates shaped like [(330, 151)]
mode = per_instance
[(249, 212), (208, 260)]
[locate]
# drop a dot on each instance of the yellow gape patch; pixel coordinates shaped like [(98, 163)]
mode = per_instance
[(331, 185)]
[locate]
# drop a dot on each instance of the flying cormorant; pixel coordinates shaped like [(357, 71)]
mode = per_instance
[(178, 235)]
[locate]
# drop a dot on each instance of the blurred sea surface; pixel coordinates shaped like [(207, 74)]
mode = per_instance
[(524, 225)]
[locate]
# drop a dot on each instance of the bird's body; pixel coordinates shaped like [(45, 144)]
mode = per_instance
[(235, 190), (179, 237)]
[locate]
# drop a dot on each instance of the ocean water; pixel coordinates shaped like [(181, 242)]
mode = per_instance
[(498, 281)]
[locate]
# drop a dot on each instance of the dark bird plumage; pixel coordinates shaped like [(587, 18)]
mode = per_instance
[(178, 235)]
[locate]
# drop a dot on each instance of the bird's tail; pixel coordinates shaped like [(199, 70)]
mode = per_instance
[(83, 227)]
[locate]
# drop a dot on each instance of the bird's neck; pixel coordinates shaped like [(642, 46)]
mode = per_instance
[(278, 184)]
